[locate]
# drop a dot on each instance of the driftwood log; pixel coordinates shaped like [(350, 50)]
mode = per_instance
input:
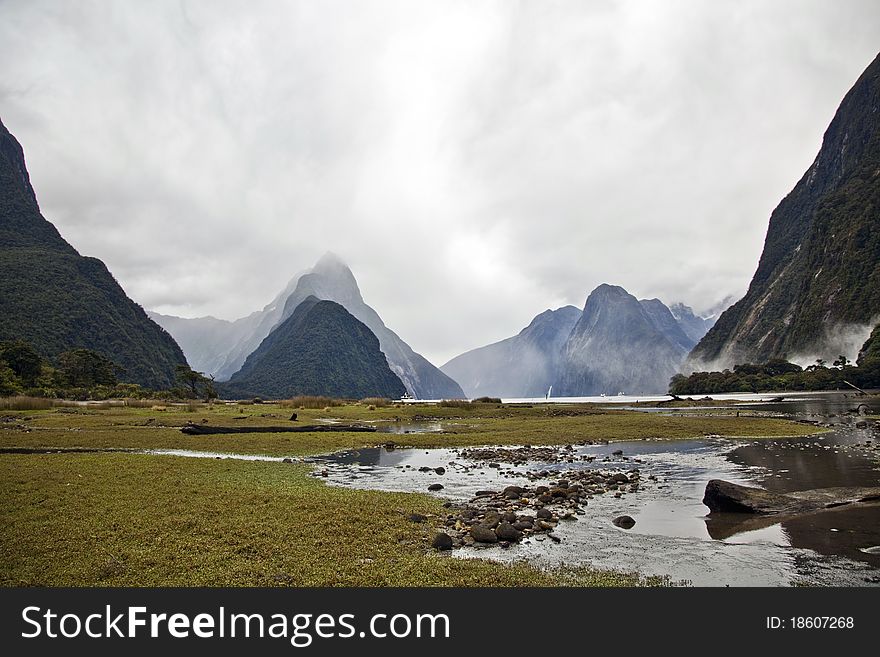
[(205, 430)]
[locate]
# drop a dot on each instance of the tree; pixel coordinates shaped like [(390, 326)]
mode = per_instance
[(196, 384), (21, 358), (841, 362), (83, 368), (9, 383)]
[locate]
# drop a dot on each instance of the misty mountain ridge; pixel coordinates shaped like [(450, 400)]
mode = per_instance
[(330, 279), (524, 365), (816, 290), (616, 344), (56, 299), (319, 349)]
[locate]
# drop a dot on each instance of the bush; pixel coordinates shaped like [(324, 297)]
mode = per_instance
[(22, 403), (487, 400), (455, 403), (377, 402), (310, 401)]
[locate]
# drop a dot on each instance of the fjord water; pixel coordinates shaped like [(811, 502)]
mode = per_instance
[(673, 534)]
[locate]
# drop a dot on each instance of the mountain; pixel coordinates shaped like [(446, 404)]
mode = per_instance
[(619, 345), (218, 346), (820, 268), (56, 299), (524, 365), (665, 322), (694, 326), (329, 279), (320, 349), (870, 351)]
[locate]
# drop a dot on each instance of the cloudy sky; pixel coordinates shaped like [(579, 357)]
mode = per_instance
[(474, 162)]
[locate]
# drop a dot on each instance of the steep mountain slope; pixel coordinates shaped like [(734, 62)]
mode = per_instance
[(524, 365), (665, 322), (216, 346), (56, 299), (870, 351), (694, 326), (320, 349), (617, 346), (329, 279), (820, 268)]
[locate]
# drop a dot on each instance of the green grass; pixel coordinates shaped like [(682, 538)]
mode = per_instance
[(137, 520), (144, 428), (128, 519)]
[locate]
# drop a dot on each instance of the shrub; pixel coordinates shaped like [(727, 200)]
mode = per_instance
[(455, 403), (22, 403), (310, 401), (377, 402), (487, 400)]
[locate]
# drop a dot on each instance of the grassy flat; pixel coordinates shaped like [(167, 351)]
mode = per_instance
[(112, 519), (145, 428)]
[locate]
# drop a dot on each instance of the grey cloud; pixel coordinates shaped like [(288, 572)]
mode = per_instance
[(474, 162)]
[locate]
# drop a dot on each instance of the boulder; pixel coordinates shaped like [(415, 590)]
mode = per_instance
[(483, 534), (624, 522), (442, 541), (507, 532)]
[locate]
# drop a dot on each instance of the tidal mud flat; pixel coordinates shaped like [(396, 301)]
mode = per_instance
[(637, 505)]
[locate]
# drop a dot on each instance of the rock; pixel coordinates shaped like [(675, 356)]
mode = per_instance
[(287, 460), (624, 522), (508, 517), (619, 478), (435, 487), (544, 513), (617, 452), (440, 471), (513, 492), (293, 418), (416, 517), (724, 496), (483, 534), (491, 520), (442, 541), (507, 532)]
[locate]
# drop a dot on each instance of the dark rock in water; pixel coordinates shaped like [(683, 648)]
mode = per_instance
[(617, 452), (507, 532), (544, 513), (491, 520), (624, 522), (725, 496), (513, 492), (483, 534), (416, 517), (440, 471), (435, 487), (442, 541), (509, 517)]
